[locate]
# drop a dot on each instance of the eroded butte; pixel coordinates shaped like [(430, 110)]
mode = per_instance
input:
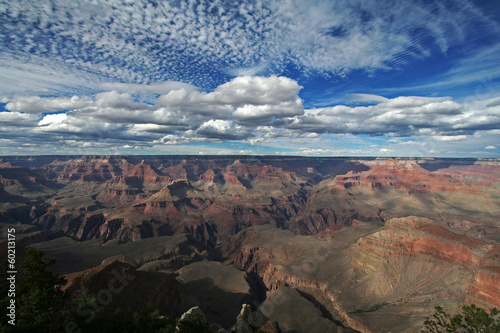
[(316, 244)]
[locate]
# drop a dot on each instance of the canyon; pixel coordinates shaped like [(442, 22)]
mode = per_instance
[(317, 244)]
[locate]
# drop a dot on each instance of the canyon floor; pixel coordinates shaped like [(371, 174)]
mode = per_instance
[(317, 244)]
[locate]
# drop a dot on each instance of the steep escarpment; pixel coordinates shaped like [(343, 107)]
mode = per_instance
[(406, 236), (121, 197), (396, 188), (22, 183), (360, 244), (482, 169), (410, 237), (217, 204), (13, 175), (394, 274), (87, 168)]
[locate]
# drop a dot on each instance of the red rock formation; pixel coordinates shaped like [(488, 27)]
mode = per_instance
[(208, 175), (146, 173), (485, 290), (394, 173), (242, 170), (88, 168), (409, 264), (410, 236), (125, 189), (14, 175), (175, 171), (481, 169)]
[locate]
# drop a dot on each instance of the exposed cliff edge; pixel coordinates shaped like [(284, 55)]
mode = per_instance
[(355, 244), (395, 274)]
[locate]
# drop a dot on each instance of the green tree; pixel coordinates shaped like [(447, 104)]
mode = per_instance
[(41, 306), (473, 319), (40, 303)]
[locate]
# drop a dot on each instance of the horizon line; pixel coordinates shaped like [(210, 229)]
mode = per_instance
[(255, 155)]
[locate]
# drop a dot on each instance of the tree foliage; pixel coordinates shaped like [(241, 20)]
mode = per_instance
[(473, 319), (40, 303), (41, 306)]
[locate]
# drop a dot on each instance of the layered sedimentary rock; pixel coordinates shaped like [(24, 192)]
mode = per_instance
[(228, 195), (418, 236), (359, 243), (87, 168), (393, 275)]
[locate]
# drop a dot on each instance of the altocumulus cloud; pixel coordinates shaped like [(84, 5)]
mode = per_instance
[(203, 41), (249, 109)]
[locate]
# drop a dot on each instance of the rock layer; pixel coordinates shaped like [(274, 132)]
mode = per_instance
[(358, 243)]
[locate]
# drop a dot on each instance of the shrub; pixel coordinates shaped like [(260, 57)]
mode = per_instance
[(473, 319)]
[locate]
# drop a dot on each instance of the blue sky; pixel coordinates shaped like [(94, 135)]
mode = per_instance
[(320, 78)]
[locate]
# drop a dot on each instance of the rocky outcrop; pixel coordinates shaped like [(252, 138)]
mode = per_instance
[(87, 168), (219, 290), (482, 169), (246, 322), (272, 217), (193, 315), (407, 174), (417, 236), (413, 235), (214, 199), (410, 263), (20, 185)]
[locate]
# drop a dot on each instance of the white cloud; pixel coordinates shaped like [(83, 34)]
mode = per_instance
[(410, 101), (285, 109), (53, 119), (240, 91), (177, 140), (386, 151), (30, 75), (254, 70), (316, 151), (449, 138), (411, 143), (222, 129), (17, 119), (256, 90), (115, 100), (36, 104), (219, 126), (394, 140), (405, 116), (245, 97), (410, 124), (490, 147), (155, 128), (368, 98), (223, 114)]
